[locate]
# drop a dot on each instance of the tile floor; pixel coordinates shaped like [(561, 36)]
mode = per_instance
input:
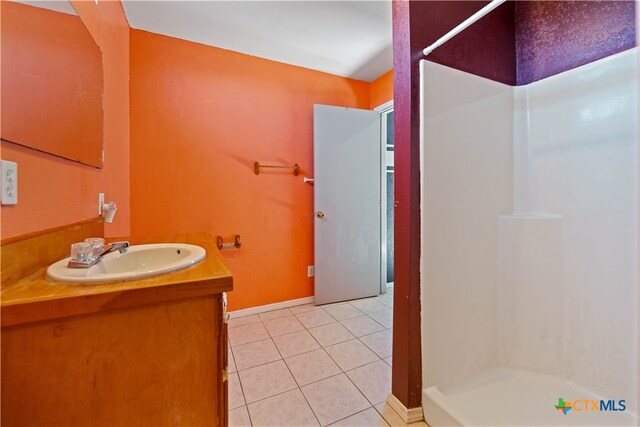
[(310, 366)]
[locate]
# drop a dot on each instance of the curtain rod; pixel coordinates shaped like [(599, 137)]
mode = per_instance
[(473, 18)]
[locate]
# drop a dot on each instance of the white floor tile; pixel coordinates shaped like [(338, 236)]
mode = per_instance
[(266, 381), (239, 417), (333, 304), (241, 321), (368, 305), (363, 325), (314, 318), (283, 325), (231, 364), (330, 334), (351, 354), (380, 342), (334, 398), (255, 353), (286, 409), (308, 385), (236, 399), (373, 380), (386, 299), (384, 317), (269, 315), (367, 418), (311, 367), (343, 311), (247, 333), (298, 309), (295, 343)]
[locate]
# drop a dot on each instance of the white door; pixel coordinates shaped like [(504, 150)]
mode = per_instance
[(346, 150)]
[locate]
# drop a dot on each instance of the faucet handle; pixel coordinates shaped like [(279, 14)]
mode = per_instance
[(121, 247)]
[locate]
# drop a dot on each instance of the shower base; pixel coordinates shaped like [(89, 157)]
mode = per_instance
[(505, 397)]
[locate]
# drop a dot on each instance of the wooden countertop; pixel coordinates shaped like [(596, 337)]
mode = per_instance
[(36, 298)]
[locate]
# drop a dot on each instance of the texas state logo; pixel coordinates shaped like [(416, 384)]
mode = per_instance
[(586, 405), (563, 406)]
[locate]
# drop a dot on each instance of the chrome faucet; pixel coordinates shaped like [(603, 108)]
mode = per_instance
[(121, 247)]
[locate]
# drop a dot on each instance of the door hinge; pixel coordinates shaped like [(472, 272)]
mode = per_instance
[(225, 376)]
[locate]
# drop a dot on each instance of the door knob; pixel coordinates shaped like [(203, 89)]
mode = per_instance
[(320, 214)]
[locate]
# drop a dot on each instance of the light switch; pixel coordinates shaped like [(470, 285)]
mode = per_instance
[(9, 171)]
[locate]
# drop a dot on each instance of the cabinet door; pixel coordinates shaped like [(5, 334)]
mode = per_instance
[(149, 365)]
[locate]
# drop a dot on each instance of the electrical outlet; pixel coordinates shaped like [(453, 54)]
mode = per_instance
[(9, 172), (311, 271)]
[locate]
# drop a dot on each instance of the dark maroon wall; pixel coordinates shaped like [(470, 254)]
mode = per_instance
[(406, 382), (485, 49), (555, 36)]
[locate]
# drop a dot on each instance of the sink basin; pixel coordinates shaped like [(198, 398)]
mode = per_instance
[(138, 262)]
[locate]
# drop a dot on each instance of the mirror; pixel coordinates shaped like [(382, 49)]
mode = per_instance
[(51, 81)]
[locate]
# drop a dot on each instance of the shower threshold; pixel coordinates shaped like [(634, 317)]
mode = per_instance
[(505, 397)]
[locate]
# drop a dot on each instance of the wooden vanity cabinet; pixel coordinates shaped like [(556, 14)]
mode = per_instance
[(151, 352)]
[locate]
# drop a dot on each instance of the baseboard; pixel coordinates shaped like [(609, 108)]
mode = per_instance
[(270, 307), (409, 416)]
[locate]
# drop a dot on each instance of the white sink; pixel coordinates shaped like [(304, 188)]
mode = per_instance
[(138, 262)]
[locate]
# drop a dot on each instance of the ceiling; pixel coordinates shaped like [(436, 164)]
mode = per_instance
[(346, 38), (63, 6)]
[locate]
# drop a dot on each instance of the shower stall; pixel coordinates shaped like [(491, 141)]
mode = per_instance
[(530, 247)]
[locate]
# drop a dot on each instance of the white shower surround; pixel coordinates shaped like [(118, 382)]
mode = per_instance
[(529, 243)]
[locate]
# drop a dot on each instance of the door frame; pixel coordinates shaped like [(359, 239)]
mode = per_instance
[(383, 109)]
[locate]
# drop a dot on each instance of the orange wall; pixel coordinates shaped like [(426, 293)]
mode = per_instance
[(382, 90), (55, 192), (200, 117)]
